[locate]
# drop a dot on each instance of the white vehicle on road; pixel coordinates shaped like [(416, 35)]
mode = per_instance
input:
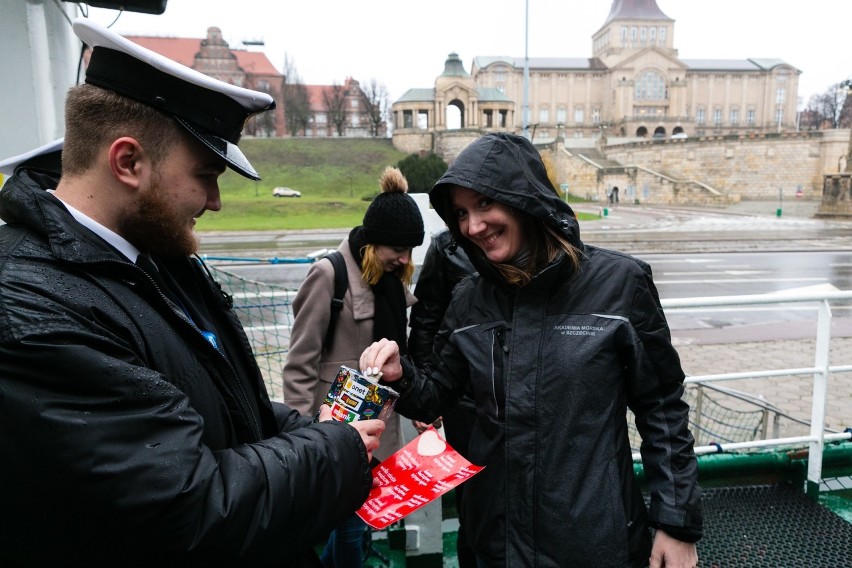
[(286, 192)]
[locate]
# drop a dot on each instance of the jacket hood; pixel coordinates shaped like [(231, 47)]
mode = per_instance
[(508, 169)]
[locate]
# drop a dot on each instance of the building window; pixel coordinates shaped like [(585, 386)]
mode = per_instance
[(562, 115), (750, 117), (735, 116), (543, 115), (623, 35), (650, 86), (780, 95), (662, 36), (500, 76), (700, 116), (321, 118), (579, 117), (356, 120), (717, 116), (778, 115), (653, 32), (353, 103), (596, 116)]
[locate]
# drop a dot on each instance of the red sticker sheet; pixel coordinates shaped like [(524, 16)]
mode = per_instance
[(423, 470)]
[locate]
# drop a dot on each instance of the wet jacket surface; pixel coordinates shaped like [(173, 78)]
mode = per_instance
[(311, 365), (553, 366), (127, 438)]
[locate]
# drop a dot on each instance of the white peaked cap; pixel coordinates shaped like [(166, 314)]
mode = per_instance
[(212, 111)]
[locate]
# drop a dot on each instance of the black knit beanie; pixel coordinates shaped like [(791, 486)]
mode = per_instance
[(393, 218)]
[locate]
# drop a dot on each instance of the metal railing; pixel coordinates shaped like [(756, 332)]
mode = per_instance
[(820, 372)]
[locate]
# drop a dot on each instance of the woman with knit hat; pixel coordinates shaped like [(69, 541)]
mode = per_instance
[(379, 268)]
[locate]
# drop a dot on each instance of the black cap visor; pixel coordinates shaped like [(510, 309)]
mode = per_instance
[(231, 153)]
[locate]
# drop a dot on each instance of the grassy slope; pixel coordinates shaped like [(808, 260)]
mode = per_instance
[(337, 178)]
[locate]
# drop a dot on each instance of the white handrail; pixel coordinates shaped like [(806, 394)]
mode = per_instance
[(820, 372), (750, 299)]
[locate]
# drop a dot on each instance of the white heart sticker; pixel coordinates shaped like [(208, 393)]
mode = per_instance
[(430, 444)]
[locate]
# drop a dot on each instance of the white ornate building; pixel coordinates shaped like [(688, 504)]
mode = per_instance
[(633, 85)]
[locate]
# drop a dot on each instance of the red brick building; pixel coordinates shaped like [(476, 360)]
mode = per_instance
[(214, 57), (339, 110), (253, 70)]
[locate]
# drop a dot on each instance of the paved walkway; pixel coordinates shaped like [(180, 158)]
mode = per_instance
[(791, 394)]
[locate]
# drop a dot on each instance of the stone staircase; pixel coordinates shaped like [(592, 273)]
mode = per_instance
[(668, 188)]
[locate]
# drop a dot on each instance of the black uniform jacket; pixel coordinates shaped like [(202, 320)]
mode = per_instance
[(128, 438)]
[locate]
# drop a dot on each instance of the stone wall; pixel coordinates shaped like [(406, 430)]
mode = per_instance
[(413, 142), (701, 170), (450, 143), (705, 170)]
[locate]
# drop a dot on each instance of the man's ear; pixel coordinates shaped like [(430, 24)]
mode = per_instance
[(128, 162)]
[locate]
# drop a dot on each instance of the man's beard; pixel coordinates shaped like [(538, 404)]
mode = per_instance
[(156, 227)]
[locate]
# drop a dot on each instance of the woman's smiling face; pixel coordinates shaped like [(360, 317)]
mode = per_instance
[(489, 224)]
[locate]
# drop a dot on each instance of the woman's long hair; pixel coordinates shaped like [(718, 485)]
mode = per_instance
[(372, 268)]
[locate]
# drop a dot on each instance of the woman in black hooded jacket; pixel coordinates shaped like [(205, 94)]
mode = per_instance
[(556, 339)]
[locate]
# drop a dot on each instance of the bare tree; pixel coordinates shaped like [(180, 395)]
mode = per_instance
[(830, 108), (262, 124), (334, 99), (845, 119), (375, 107), (297, 104)]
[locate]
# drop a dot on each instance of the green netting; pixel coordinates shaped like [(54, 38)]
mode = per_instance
[(266, 315)]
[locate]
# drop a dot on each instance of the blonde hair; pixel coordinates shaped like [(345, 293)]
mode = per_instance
[(372, 268)]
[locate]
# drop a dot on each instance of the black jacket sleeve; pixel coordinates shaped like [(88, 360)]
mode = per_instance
[(108, 455), (443, 267), (655, 397)]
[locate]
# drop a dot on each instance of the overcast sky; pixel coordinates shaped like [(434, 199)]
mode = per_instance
[(403, 44)]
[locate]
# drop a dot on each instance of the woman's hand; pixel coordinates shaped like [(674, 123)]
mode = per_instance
[(382, 357), (668, 552)]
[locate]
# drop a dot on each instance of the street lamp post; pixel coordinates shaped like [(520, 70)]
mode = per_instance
[(525, 110)]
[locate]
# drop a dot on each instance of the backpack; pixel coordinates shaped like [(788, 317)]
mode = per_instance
[(341, 283)]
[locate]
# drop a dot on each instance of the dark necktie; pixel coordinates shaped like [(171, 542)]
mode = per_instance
[(146, 263)]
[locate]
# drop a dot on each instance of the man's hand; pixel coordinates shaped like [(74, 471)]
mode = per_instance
[(382, 357), (370, 430), (668, 552), (423, 426)]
